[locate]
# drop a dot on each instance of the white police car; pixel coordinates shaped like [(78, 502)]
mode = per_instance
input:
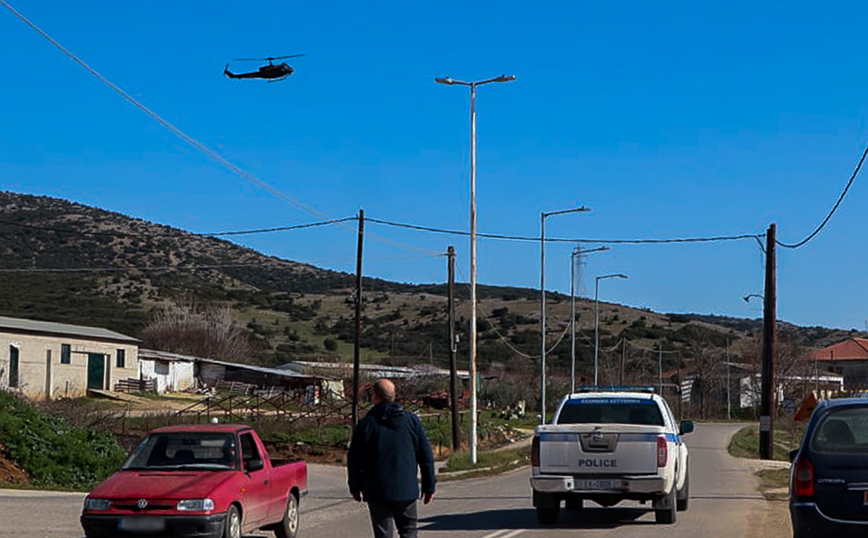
[(609, 444)]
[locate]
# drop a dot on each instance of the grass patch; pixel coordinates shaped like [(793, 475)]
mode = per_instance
[(491, 462), (55, 454), (774, 478), (745, 443)]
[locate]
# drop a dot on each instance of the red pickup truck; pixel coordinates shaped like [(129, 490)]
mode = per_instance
[(198, 481)]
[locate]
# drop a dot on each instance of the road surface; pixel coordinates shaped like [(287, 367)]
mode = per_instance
[(724, 503)]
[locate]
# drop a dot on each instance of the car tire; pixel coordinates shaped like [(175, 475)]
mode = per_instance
[(667, 515), (684, 495), (548, 516), (288, 527), (574, 504), (232, 524)]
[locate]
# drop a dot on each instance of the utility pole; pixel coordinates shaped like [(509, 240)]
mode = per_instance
[(453, 370), (623, 361), (576, 253), (660, 369), (767, 405), (357, 344), (728, 385)]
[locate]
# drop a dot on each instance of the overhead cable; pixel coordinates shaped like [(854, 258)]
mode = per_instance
[(175, 233), (218, 158), (506, 237), (826, 220)]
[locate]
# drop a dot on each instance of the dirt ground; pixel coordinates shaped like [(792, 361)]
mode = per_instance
[(9, 472)]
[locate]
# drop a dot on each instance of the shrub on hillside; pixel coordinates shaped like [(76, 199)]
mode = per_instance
[(54, 453)]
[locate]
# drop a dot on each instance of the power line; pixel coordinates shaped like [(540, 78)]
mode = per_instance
[(218, 158), (833, 210), (174, 233), (506, 237), (283, 228), (162, 121)]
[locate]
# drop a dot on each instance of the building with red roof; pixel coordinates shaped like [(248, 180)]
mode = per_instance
[(848, 358)]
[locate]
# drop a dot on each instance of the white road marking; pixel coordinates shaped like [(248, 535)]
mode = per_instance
[(500, 533)]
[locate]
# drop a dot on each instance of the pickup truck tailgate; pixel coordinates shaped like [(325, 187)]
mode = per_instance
[(598, 449)]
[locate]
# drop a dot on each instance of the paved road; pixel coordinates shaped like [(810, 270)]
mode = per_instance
[(724, 503)]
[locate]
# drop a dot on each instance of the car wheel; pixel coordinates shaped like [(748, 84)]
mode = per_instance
[(667, 515), (574, 504), (684, 495), (232, 525), (548, 516), (288, 528)]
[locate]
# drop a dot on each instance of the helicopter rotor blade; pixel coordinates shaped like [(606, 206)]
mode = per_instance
[(267, 59)]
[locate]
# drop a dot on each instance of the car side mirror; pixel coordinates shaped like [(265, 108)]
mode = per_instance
[(254, 465), (793, 454), (686, 427)]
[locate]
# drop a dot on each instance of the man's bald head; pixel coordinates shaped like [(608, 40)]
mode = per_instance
[(384, 390)]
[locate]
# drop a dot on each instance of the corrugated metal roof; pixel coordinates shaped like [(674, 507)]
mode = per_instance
[(261, 369), (375, 369), (152, 354), (62, 329), (852, 349)]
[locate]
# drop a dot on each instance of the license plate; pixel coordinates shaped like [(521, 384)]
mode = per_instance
[(142, 524), (596, 484)]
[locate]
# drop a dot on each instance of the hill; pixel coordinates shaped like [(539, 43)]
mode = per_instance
[(98, 267)]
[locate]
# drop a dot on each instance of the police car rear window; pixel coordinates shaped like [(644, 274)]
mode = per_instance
[(611, 411)]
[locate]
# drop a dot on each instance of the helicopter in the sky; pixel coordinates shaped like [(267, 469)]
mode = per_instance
[(271, 71)]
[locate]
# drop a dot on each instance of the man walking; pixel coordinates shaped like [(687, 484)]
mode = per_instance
[(387, 447)]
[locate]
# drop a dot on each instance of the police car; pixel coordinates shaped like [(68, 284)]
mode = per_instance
[(609, 444)]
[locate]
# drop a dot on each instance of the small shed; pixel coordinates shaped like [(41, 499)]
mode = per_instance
[(170, 371)]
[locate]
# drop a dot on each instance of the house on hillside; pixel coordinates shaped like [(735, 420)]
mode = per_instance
[(848, 358), (46, 360)]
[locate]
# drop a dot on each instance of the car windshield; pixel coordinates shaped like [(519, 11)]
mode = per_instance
[(842, 432), (188, 450), (611, 411)]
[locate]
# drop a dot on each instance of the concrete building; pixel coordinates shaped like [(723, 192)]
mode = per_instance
[(171, 372), (45, 360)]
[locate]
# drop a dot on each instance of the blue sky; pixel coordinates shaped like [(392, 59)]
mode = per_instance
[(684, 119)]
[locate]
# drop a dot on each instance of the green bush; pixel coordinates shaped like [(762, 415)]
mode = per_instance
[(55, 454)]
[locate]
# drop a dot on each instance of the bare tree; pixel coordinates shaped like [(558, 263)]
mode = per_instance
[(212, 332)]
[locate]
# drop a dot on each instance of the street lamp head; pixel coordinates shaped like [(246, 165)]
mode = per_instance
[(444, 80), (621, 276), (746, 298), (505, 78)]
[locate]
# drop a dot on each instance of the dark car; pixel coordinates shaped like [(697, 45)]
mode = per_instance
[(829, 476)]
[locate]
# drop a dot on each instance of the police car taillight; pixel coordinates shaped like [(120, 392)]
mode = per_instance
[(662, 451), (534, 452)]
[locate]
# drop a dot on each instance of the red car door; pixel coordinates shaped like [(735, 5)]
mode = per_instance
[(257, 485)]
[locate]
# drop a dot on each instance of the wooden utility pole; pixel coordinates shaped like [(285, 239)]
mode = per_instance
[(357, 344), (453, 370), (767, 406), (623, 361)]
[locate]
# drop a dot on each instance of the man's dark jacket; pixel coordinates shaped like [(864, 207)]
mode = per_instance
[(387, 446)]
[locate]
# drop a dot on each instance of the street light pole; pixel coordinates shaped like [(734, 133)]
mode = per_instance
[(542, 308), (576, 253), (597, 322), (473, 408)]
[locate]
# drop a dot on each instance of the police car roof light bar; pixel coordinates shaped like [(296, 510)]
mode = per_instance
[(624, 388)]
